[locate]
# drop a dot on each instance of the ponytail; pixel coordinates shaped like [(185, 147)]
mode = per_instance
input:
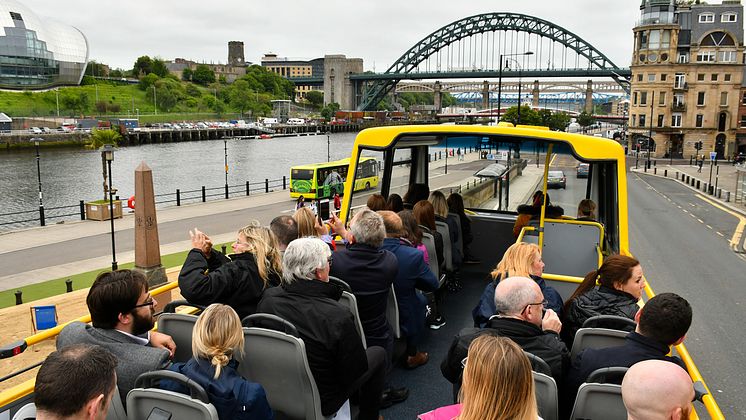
[(220, 358), (589, 282), (616, 270)]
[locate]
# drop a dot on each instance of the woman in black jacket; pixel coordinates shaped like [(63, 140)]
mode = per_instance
[(620, 287), (238, 280)]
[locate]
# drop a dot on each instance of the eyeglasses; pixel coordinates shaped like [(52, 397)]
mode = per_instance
[(543, 304), (150, 302), (329, 260)]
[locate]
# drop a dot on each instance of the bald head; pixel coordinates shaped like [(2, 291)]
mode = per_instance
[(656, 389), (514, 293), (392, 222)]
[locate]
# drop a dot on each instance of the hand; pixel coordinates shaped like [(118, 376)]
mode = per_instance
[(320, 228), (162, 341), (338, 226), (201, 241), (551, 322)]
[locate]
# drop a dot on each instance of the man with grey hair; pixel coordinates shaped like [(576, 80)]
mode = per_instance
[(338, 361), (657, 390)]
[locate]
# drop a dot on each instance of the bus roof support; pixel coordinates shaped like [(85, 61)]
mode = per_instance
[(544, 200)]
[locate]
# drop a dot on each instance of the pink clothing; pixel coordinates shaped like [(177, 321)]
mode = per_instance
[(422, 248), (448, 412)]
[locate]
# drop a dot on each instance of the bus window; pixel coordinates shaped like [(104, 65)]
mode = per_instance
[(303, 174)]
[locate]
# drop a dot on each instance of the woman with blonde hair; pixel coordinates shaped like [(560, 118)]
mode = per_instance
[(237, 280), (216, 338), (309, 225), (520, 259), (497, 384)]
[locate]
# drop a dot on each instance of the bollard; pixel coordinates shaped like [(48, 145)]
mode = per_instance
[(204, 197), (226, 191), (82, 210), (69, 285), (665, 173), (178, 197), (645, 168), (284, 183), (727, 196), (690, 161), (266, 185), (19, 297), (720, 192), (655, 171), (686, 178), (677, 175), (247, 188), (710, 190), (223, 248), (697, 184)]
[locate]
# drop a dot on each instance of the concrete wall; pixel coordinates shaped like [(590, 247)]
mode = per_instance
[(337, 85)]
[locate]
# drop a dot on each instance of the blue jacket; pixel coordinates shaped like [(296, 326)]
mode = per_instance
[(233, 396), (413, 274), (486, 307)]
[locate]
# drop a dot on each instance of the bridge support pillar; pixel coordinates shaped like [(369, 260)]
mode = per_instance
[(535, 94), (485, 94), (437, 99), (589, 97)]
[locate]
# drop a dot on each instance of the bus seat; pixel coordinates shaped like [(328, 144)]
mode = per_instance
[(442, 228), (607, 375), (143, 400), (599, 401), (596, 338), (460, 241), (570, 248), (341, 283), (392, 313), (538, 364), (611, 322), (28, 411), (179, 327), (116, 407), (546, 396), (278, 361), (350, 301), (432, 255)]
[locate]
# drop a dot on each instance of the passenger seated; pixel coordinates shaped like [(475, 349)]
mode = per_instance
[(497, 384), (238, 280), (657, 390), (425, 214), (527, 212), (524, 260), (216, 339), (76, 382), (285, 229), (440, 205), (415, 194), (456, 206), (309, 225), (620, 288), (395, 203), (661, 323), (587, 210), (412, 233), (376, 202)]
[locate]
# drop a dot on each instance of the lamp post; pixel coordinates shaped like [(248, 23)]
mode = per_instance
[(107, 153), (36, 141), (57, 97), (650, 130), (328, 154), (500, 78), (520, 69), (225, 149), (155, 102)]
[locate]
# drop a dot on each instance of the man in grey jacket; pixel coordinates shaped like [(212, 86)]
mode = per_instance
[(122, 315)]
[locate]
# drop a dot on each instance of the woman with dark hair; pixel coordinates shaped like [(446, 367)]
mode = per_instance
[(395, 203), (412, 233), (425, 214), (415, 194), (528, 212), (376, 202), (620, 287)]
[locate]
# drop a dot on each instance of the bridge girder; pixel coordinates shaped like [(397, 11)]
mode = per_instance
[(548, 86)]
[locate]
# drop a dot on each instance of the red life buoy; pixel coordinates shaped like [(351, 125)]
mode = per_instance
[(131, 202)]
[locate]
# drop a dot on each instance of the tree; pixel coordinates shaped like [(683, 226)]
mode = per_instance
[(158, 67), (186, 74), (116, 73), (241, 95), (559, 121), (328, 111), (95, 69), (203, 75), (315, 98), (528, 116), (143, 66), (585, 119), (148, 81)]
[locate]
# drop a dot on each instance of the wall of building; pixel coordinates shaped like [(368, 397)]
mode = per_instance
[(337, 85)]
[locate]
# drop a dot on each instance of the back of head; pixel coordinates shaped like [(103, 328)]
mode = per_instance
[(456, 204), (587, 208), (395, 203), (425, 214), (538, 198), (376, 202), (392, 223), (302, 258), (285, 229), (498, 383), (410, 229), (516, 261), (439, 203), (514, 293), (73, 376), (616, 269), (666, 318), (657, 389), (217, 336), (306, 221), (114, 293), (261, 242), (416, 193), (367, 228)]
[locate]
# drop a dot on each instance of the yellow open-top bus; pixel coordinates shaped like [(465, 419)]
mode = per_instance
[(323, 180)]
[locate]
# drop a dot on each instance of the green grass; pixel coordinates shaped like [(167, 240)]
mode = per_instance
[(80, 281)]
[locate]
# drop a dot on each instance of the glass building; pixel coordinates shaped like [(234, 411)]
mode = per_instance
[(37, 52)]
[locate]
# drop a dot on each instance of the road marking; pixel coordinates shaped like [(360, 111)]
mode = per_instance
[(708, 226), (684, 210), (700, 221), (736, 238), (720, 234)]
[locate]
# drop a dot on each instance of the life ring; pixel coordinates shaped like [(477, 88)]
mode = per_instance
[(131, 202)]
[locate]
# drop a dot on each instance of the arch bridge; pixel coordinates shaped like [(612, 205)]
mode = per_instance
[(473, 48)]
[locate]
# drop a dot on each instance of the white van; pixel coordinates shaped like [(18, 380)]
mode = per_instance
[(269, 122), (296, 121)]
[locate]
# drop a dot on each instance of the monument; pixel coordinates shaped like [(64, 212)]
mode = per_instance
[(147, 244)]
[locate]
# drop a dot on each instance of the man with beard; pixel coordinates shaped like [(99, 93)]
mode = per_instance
[(122, 315)]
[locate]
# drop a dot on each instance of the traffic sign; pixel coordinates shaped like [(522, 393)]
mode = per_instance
[(713, 156)]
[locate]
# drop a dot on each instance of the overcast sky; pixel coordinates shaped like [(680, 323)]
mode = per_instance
[(377, 31)]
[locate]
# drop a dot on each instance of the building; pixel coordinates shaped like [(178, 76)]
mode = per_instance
[(38, 52), (235, 68), (741, 131), (687, 72), (292, 69), (337, 84)]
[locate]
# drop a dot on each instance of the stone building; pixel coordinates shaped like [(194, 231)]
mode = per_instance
[(292, 69), (687, 72), (235, 68), (337, 84)]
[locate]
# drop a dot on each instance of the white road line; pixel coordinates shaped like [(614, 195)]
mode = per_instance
[(700, 221), (720, 234), (708, 226), (684, 210)]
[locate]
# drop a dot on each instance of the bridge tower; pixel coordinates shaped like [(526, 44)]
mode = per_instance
[(535, 94), (437, 98), (485, 94), (589, 97), (337, 85)]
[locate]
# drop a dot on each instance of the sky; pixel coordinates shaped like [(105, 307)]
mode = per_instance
[(378, 31)]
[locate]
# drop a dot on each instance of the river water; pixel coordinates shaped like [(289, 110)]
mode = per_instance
[(71, 175)]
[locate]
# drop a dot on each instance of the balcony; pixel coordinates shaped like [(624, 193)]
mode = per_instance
[(678, 107), (681, 86)]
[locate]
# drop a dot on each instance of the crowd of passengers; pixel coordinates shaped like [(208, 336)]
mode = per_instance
[(295, 269)]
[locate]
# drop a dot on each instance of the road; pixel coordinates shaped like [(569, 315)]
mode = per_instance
[(682, 242)]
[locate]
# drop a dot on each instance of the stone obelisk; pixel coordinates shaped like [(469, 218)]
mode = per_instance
[(147, 245)]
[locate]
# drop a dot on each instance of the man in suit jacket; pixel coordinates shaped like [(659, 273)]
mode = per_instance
[(122, 313)]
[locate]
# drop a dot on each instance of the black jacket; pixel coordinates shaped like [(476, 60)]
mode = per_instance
[(234, 282), (335, 352), (544, 344), (597, 301), (369, 272)]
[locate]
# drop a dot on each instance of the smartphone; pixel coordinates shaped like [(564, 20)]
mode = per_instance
[(158, 414)]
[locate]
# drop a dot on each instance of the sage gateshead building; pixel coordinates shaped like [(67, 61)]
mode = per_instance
[(36, 52)]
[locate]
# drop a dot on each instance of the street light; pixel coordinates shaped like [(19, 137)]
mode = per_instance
[(328, 155), (500, 78), (225, 148), (107, 153), (520, 69), (155, 102), (36, 141), (650, 131)]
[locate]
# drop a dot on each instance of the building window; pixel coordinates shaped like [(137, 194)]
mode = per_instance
[(634, 120), (706, 17), (661, 98), (655, 40), (706, 57), (682, 58), (699, 119), (679, 81), (643, 40), (727, 56), (664, 76), (743, 121), (700, 99), (723, 98), (634, 98), (651, 77), (642, 120), (639, 77), (743, 98), (700, 77), (675, 120), (660, 120), (714, 77), (678, 99), (729, 17), (726, 77), (643, 98)]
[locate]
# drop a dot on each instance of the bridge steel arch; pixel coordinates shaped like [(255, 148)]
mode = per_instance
[(477, 24)]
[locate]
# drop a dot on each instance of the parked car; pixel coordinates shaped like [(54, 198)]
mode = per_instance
[(556, 179), (35, 130), (582, 170)]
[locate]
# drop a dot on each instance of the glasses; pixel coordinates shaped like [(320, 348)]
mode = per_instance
[(329, 260), (543, 304), (150, 302)]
